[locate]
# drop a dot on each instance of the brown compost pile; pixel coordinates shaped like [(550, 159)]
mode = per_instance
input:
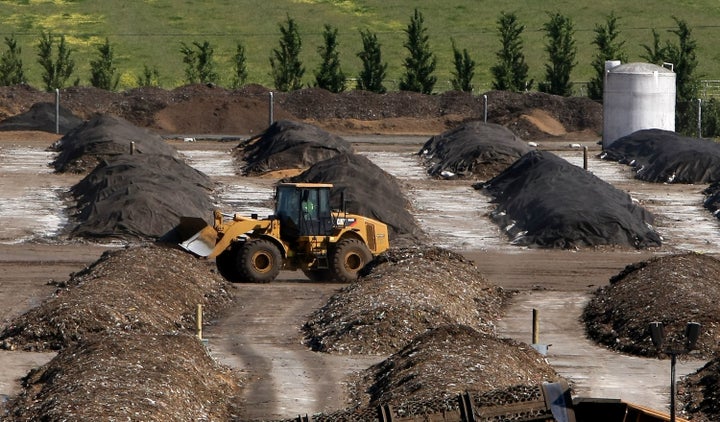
[(674, 289), (405, 293), (124, 328), (699, 392)]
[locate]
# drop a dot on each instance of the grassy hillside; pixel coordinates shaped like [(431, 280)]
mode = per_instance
[(151, 32)]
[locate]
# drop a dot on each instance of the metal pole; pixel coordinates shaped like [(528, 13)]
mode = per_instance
[(672, 386), (57, 110), (132, 147), (536, 327), (272, 109), (699, 118), (585, 157), (485, 108), (198, 320)]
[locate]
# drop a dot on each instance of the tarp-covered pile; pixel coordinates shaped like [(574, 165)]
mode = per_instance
[(543, 200), (102, 137), (42, 117), (139, 195), (474, 149), (290, 145), (368, 190), (666, 157)]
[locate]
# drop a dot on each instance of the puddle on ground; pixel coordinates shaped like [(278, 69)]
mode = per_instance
[(28, 210)]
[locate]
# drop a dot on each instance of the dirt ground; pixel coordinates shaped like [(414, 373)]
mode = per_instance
[(261, 337)]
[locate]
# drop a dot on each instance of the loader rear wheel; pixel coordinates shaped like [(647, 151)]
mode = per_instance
[(259, 261), (227, 265), (350, 256)]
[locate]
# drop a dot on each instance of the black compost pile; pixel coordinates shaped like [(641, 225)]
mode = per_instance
[(473, 149), (672, 289), (102, 137), (41, 116), (290, 145), (139, 196), (666, 157), (545, 201), (700, 392), (368, 190)]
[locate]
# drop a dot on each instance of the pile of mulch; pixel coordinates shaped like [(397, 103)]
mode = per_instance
[(663, 156), (473, 149), (449, 360), (149, 289), (545, 201), (128, 376), (200, 109), (124, 327), (289, 145), (700, 393), (574, 114), (368, 190), (41, 117), (673, 289), (102, 137), (405, 292), (140, 196)]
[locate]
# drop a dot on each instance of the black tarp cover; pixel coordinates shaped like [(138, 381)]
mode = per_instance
[(104, 136), (667, 157), (472, 149), (545, 201), (368, 190), (290, 145), (139, 196), (41, 116)]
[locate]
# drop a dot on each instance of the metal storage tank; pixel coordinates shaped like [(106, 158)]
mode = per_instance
[(637, 96)]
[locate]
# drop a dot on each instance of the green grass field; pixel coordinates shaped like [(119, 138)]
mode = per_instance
[(151, 32)]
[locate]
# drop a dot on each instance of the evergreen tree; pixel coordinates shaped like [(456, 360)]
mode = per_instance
[(11, 67), (561, 51), (287, 69), (464, 69), (373, 70), (199, 63), (655, 53), (102, 70), (330, 76), (150, 77), (420, 63), (609, 48), (511, 72), (683, 56), (55, 72), (239, 67)]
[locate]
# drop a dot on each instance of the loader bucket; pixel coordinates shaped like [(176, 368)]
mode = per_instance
[(196, 236)]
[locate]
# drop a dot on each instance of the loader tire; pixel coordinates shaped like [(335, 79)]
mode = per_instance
[(350, 256), (227, 264), (259, 261)]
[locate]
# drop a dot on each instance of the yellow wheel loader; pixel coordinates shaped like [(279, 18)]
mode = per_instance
[(303, 233)]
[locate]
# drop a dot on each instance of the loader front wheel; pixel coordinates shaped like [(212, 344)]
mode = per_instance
[(259, 261), (227, 265), (350, 256)]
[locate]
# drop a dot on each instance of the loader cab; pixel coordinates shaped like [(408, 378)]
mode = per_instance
[(303, 210)]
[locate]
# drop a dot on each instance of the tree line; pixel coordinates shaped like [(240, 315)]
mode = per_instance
[(510, 71)]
